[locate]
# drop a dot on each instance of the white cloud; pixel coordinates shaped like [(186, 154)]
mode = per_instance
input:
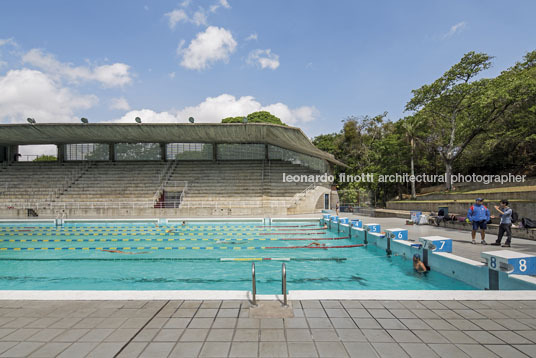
[(263, 58), (252, 37), (9, 41), (220, 3), (212, 45), (31, 93), (214, 109), (172, 75), (113, 75), (176, 16), (199, 18), (185, 3), (119, 103), (459, 27)]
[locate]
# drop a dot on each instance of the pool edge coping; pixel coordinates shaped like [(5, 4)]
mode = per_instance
[(396, 295)]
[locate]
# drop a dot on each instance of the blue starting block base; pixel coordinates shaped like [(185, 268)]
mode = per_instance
[(436, 243), (397, 234), (510, 262), (357, 223)]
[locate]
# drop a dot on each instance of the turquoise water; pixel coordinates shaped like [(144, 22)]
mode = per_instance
[(176, 257)]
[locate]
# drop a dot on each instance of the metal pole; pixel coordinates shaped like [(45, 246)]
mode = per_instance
[(254, 285), (284, 285)]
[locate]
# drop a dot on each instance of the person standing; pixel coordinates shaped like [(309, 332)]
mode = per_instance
[(478, 214), (505, 225)]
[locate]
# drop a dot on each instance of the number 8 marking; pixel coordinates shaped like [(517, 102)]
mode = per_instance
[(522, 265), (493, 262)]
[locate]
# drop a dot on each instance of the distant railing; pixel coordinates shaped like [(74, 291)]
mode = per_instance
[(296, 199)]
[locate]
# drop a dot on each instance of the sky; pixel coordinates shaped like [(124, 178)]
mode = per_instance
[(311, 63)]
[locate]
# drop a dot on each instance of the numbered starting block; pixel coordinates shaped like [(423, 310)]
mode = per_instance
[(510, 262), (374, 228), (344, 220), (334, 219), (357, 223), (397, 234), (436, 243)]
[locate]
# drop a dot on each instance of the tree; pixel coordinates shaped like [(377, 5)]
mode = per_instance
[(45, 158), (461, 108), (255, 117), (412, 127)]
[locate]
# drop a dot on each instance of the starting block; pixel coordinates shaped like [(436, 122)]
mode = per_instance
[(344, 220), (510, 262), (436, 243), (374, 228), (397, 234), (357, 223), (334, 218)]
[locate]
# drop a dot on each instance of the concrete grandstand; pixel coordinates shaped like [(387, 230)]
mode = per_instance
[(114, 170)]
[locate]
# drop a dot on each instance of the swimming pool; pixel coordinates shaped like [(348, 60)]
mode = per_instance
[(200, 256)]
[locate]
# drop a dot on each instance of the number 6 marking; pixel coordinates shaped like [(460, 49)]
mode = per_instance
[(400, 234)]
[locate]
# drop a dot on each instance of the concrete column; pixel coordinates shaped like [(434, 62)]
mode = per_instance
[(266, 152), (214, 151), (61, 152), (163, 151), (12, 152), (111, 154)]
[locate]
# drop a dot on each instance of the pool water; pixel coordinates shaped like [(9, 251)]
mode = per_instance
[(200, 256)]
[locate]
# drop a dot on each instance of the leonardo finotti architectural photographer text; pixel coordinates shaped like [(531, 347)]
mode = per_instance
[(405, 178)]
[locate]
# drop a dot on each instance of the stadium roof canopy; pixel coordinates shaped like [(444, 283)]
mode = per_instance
[(286, 137)]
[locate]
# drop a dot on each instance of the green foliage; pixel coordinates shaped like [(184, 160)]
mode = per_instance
[(45, 158), (255, 117)]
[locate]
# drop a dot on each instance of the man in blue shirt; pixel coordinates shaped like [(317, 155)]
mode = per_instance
[(505, 225), (478, 214)]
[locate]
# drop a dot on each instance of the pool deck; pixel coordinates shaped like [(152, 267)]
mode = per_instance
[(327, 328)]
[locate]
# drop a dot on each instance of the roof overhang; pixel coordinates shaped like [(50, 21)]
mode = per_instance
[(286, 137)]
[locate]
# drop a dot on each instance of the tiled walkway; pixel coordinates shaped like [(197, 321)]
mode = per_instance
[(220, 329)]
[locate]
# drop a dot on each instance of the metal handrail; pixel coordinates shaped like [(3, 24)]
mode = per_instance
[(254, 285), (284, 284)]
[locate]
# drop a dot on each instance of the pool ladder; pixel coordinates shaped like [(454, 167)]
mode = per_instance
[(254, 285)]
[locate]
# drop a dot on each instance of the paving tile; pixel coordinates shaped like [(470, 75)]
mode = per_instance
[(105, 350), (228, 312), (476, 351), (433, 305), (483, 337), (390, 323), (365, 323), (157, 349), (185, 312), (207, 312), (311, 304), (324, 335), (457, 337), (439, 324), (50, 350), (530, 335), (4, 346), (505, 351), (413, 305), (351, 335), (392, 305), (418, 350), (157, 322), (215, 349), (46, 335), (272, 335), (380, 313), (336, 312), (21, 334), (211, 304), (360, 350), (377, 335), (298, 335), (134, 322), (331, 304), (186, 349), (469, 314), (168, 335), (220, 334), (194, 335), (302, 349), (314, 312), (414, 323), (371, 304), (331, 349), (447, 314), (512, 324), (77, 350), (359, 313), (96, 335), (389, 350), (402, 313), (43, 322), (246, 334), (22, 349), (224, 322), (146, 335), (343, 323), (319, 323), (403, 336), (248, 323), (463, 324), (488, 325), (448, 351), (272, 323), (351, 304), (200, 323), (272, 349), (429, 336), (244, 349), (230, 304), (295, 323), (510, 337)]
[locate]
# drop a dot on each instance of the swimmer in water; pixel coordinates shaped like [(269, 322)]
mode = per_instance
[(183, 223), (325, 226), (316, 244), (126, 253), (418, 265)]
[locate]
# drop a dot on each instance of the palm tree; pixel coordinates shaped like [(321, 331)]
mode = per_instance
[(411, 126)]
